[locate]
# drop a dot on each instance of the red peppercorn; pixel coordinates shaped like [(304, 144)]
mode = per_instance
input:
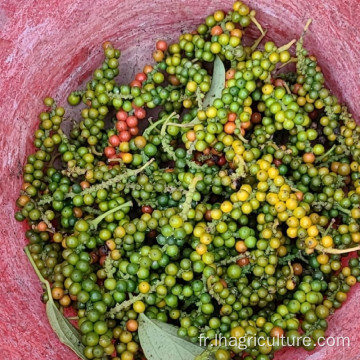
[(114, 140), (121, 115)]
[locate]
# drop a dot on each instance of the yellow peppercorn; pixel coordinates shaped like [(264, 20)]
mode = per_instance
[(327, 241)]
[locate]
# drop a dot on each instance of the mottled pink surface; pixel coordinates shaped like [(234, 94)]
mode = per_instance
[(49, 47)]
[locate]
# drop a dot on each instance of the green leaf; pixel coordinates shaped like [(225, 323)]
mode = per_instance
[(65, 331), (159, 341), (216, 88), (217, 83)]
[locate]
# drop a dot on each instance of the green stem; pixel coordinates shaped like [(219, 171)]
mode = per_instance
[(212, 293), (119, 96), (163, 128), (286, 86), (323, 156), (292, 186), (329, 227), (152, 127), (186, 125), (94, 151), (345, 211), (301, 257), (301, 65), (199, 98), (275, 225), (188, 197), (242, 138), (191, 148), (291, 270), (166, 143), (126, 304), (104, 185), (274, 146), (76, 170), (151, 123), (241, 169), (91, 210), (155, 124), (109, 267), (94, 223), (292, 60)]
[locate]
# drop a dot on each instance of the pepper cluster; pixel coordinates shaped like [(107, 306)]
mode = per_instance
[(230, 214)]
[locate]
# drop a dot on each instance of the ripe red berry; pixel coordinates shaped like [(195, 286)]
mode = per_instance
[(134, 131), (221, 161), (135, 83), (161, 45), (121, 115), (114, 140), (232, 116), (132, 121), (121, 126), (109, 151), (124, 136), (140, 113), (146, 209), (140, 77)]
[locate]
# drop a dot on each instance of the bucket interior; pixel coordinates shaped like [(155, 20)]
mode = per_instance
[(49, 48)]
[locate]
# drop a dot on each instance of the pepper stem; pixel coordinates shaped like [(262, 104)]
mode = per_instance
[(155, 124), (94, 151), (307, 26), (257, 24), (258, 40), (188, 197), (286, 46), (336, 251), (186, 125), (329, 227), (242, 138), (292, 60), (345, 211), (286, 86), (323, 156), (94, 223)]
